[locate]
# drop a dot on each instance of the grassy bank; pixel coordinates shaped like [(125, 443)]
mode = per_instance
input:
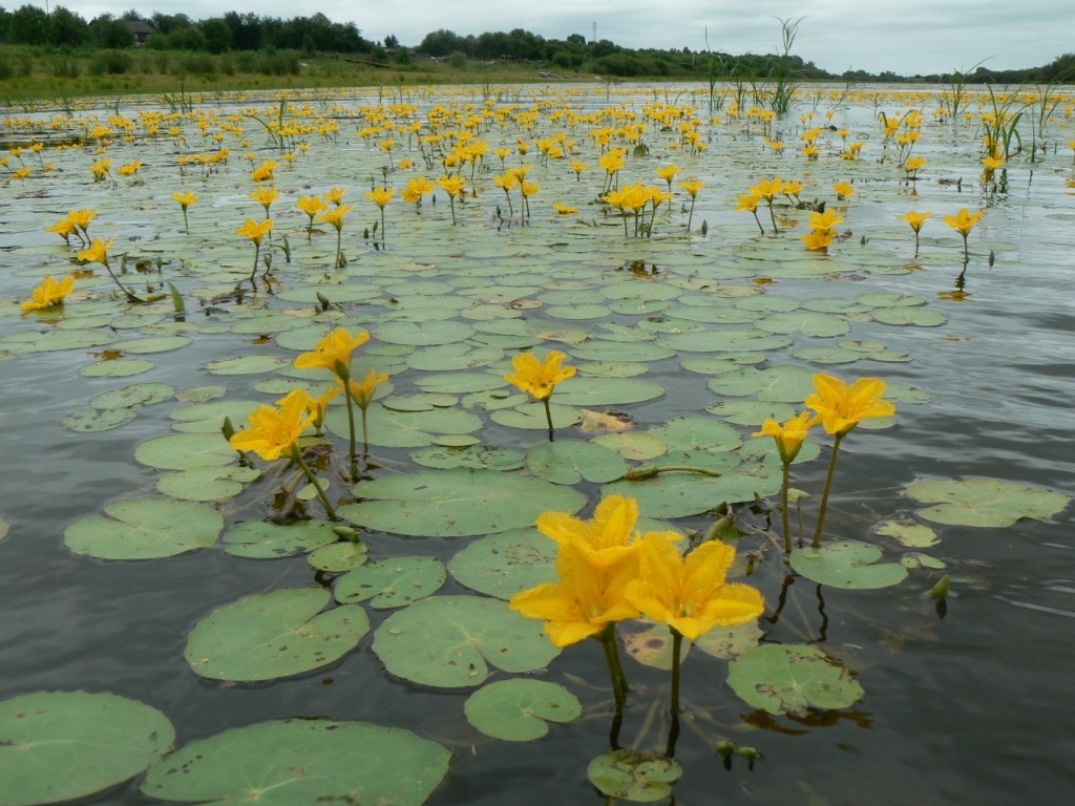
[(28, 73)]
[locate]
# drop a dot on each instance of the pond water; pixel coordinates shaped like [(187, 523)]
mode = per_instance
[(964, 697)]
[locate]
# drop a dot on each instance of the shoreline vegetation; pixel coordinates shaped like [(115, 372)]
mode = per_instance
[(59, 54)]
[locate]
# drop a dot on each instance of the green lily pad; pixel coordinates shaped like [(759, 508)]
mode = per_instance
[(918, 317), (57, 746), (135, 394), (394, 582), (152, 344), (592, 392), (302, 762), (206, 483), (786, 383), (639, 446), (388, 428), (246, 365), (116, 368), (271, 635), (145, 529), (980, 501), (86, 421), (640, 776), (847, 564), (471, 456), (532, 416), (569, 461), (908, 533), (339, 557), (730, 642), (261, 540), (680, 494), (789, 679), (807, 323), (697, 432), (449, 641), (185, 451), (423, 333), (504, 564), (456, 502), (650, 644), (520, 710)]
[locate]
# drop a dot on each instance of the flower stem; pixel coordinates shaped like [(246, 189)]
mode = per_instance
[(607, 637), (254, 271), (548, 418), (825, 495), (365, 434), (784, 509), (351, 428), (296, 455), (673, 710)]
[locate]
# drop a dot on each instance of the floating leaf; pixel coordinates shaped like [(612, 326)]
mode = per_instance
[(86, 421), (788, 679), (502, 565), (728, 642), (908, 533), (61, 745), (640, 776), (270, 635), (144, 529), (456, 502), (394, 582), (519, 710), (447, 641), (206, 483), (135, 394), (301, 762), (980, 501), (848, 564), (263, 540), (185, 451), (471, 456), (116, 368), (680, 494), (569, 461), (339, 557), (650, 644)]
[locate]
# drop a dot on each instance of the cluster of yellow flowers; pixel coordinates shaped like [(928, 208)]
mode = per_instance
[(609, 572)]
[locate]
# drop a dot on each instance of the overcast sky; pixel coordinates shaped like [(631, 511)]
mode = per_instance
[(907, 37)]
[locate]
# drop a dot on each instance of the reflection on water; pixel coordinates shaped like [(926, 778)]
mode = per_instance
[(965, 709)]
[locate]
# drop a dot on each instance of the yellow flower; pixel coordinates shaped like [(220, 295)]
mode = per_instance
[(692, 186), (335, 215), (98, 250), (690, 593), (529, 188), (792, 187), (563, 209), (311, 205), (748, 202), (915, 218), (964, 220), (64, 228), (362, 391), (186, 198), (453, 185), (48, 293), (537, 377), (992, 163), (264, 171), (416, 188), (21, 173), (818, 240), (824, 221), (405, 163), (100, 169), (81, 218), (844, 190), (333, 349), (841, 407), (130, 168), (265, 196), (255, 230), (789, 436), (914, 163), (380, 196), (767, 188), (605, 537), (585, 598), (668, 172), (274, 430), (335, 195), (507, 181)]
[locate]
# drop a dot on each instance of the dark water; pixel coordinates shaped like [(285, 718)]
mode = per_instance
[(973, 707)]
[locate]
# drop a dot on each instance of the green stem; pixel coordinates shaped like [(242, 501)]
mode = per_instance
[(382, 227), (365, 433), (296, 455), (607, 637), (548, 418), (673, 710), (351, 427), (757, 221), (784, 508), (825, 495), (772, 216), (339, 252), (690, 215), (254, 271), (648, 472), (186, 224), (131, 296)]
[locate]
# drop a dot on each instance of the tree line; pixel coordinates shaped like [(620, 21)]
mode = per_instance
[(233, 31)]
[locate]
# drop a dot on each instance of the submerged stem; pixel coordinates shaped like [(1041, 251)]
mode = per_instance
[(296, 455)]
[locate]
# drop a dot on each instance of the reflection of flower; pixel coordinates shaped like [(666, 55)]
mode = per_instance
[(274, 430), (538, 377), (48, 293), (689, 593), (841, 407)]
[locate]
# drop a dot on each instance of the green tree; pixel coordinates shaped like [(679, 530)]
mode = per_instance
[(29, 25)]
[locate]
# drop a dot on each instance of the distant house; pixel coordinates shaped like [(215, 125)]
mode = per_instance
[(142, 30)]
